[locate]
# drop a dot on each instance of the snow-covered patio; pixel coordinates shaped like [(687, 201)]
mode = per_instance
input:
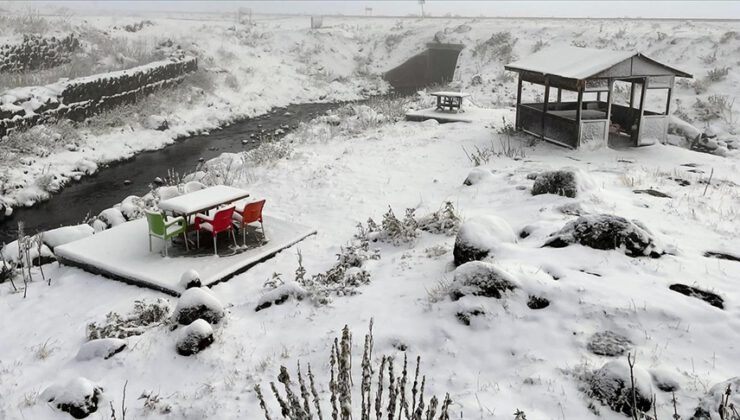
[(122, 253)]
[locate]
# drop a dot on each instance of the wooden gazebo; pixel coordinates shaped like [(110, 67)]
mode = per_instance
[(594, 72)]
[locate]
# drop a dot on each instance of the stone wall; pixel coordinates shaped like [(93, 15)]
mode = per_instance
[(80, 98), (37, 53)]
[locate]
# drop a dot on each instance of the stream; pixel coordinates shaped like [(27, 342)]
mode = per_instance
[(118, 180)]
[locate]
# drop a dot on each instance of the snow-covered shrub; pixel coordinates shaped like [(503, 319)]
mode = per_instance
[(605, 231), (499, 47), (612, 385), (280, 294), (478, 278), (715, 107), (302, 401), (607, 343), (198, 303), (444, 221), (79, 397), (194, 338), (190, 279), (721, 402), (145, 315), (718, 74), (478, 237), (560, 182)]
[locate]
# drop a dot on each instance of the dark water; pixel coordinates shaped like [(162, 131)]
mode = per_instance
[(105, 188)]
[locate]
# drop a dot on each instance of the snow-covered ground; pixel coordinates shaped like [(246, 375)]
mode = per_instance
[(510, 356)]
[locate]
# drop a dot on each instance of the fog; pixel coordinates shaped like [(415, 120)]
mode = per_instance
[(643, 9)]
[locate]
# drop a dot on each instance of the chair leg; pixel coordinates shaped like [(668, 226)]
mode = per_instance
[(244, 235), (233, 236), (165, 247), (264, 235), (150, 243), (185, 237), (197, 238), (215, 250)]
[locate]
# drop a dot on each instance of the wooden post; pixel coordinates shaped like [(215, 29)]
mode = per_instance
[(668, 101), (632, 93), (560, 93), (544, 106), (598, 96), (642, 110), (517, 124), (609, 109), (578, 116)]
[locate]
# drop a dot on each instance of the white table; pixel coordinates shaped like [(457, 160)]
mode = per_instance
[(449, 100), (202, 200)]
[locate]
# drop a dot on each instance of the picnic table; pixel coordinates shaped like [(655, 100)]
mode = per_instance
[(202, 200), (449, 101)]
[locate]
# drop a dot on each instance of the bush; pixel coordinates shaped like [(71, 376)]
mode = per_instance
[(718, 73), (145, 315), (300, 404)]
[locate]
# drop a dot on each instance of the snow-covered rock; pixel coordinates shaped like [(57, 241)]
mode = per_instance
[(707, 296), (78, 397), (195, 337), (477, 176), (66, 234), (605, 231), (607, 343), (111, 217), (281, 294), (190, 279), (132, 207), (481, 236), (198, 303), (665, 380), (563, 182), (102, 348), (710, 402), (612, 386), (480, 278)]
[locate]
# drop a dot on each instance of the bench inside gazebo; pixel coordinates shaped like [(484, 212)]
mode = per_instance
[(589, 77)]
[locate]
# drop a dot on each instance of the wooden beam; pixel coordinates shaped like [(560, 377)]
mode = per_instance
[(642, 110), (632, 93), (668, 101), (578, 116), (560, 94), (517, 125), (609, 109), (544, 106)]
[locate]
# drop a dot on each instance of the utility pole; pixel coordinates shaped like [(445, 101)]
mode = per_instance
[(421, 3)]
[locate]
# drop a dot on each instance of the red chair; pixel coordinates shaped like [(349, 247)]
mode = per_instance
[(219, 222), (250, 213)]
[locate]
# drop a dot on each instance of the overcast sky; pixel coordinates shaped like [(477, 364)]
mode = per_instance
[(645, 9)]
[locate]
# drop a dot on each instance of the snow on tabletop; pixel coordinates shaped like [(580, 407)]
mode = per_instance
[(449, 93), (202, 199), (571, 62)]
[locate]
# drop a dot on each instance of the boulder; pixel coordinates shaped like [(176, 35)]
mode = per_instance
[(480, 278), (607, 343), (190, 279), (281, 294), (562, 182), (101, 348), (710, 402), (709, 297), (605, 231), (612, 386), (198, 303), (78, 397), (480, 236), (536, 302), (722, 256), (195, 338), (477, 175)]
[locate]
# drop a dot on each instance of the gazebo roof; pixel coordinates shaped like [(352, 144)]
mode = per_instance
[(584, 63)]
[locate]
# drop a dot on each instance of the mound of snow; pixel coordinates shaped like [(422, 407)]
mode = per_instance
[(190, 279), (477, 176), (10, 254), (111, 217), (66, 234), (612, 386), (195, 337), (480, 236), (281, 294), (480, 278), (198, 303), (102, 348), (78, 397), (605, 231)]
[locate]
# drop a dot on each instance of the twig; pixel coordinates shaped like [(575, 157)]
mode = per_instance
[(708, 182)]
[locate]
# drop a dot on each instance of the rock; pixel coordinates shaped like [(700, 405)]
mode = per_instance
[(612, 386), (536, 302), (477, 175), (102, 348), (604, 231), (480, 278), (571, 209), (709, 297), (195, 338), (562, 182), (190, 279), (198, 303), (281, 294), (710, 402), (722, 256), (654, 193), (464, 316), (607, 343), (78, 397), (479, 236), (664, 380)]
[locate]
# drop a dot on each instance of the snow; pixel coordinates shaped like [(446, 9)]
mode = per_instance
[(66, 234), (102, 348), (486, 232), (202, 199), (72, 392), (571, 62)]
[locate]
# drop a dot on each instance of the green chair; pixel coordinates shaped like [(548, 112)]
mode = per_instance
[(165, 229)]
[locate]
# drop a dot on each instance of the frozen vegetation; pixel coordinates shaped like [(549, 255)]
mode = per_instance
[(531, 281)]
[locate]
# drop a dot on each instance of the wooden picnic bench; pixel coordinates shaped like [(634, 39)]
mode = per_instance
[(449, 101)]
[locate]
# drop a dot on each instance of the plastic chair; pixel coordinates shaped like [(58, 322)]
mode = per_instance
[(219, 222), (250, 213), (165, 229)]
